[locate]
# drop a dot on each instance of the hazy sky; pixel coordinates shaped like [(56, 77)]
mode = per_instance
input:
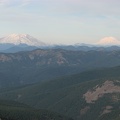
[(61, 21)]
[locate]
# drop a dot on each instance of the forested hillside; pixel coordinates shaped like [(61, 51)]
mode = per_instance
[(91, 95), (10, 110)]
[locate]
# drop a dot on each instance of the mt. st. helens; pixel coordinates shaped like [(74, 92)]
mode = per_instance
[(109, 41)]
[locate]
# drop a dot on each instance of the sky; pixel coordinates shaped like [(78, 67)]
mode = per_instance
[(61, 21)]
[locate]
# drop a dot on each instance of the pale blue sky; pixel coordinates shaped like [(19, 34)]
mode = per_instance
[(61, 21)]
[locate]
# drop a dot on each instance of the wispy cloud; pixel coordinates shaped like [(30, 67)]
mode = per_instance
[(26, 2), (4, 2), (86, 6), (15, 2)]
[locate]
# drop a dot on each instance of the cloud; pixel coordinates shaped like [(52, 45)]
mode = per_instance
[(82, 17), (27, 2), (91, 7), (13, 3)]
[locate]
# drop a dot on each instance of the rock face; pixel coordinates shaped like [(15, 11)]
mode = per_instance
[(17, 39), (108, 87)]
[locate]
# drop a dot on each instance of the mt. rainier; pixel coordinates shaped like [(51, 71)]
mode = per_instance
[(18, 39)]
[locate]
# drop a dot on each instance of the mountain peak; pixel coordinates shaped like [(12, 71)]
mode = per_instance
[(109, 41), (18, 39)]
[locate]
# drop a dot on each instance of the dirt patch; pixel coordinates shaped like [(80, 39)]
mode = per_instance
[(98, 92), (107, 110), (115, 98), (84, 110)]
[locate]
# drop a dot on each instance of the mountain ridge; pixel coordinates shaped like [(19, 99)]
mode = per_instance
[(20, 42), (38, 65)]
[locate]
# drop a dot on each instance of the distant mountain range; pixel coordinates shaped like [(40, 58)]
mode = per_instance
[(24, 42), (23, 68)]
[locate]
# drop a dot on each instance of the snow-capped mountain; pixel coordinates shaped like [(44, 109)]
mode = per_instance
[(108, 41), (17, 39), (104, 42)]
